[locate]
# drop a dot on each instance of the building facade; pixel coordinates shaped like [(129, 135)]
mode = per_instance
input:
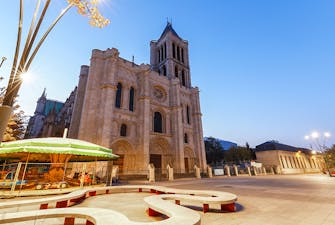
[(288, 159), (51, 117), (145, 113)]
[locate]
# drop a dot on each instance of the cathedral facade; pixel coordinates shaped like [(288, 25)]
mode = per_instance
[(145, 113)]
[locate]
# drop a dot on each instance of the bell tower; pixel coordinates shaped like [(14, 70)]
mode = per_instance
[(169, 56)]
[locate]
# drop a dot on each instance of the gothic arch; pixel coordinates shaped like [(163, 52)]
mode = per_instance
[(123, 130), (159, 145), (127, 159), (163, 118), (122, 146), (131, 98), (189, 159), (117, 127), (159, 153), (118, 95)]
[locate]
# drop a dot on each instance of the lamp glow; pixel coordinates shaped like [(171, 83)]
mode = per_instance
[(315, 134)]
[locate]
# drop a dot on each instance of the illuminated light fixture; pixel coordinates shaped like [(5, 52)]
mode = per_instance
[(315, 134), (326, 134)]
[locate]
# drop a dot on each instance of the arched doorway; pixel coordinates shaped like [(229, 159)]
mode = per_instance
[(159, 153), (127, 159), (189, 158)]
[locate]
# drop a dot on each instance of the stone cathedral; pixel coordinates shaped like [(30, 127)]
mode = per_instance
[(145, 113)]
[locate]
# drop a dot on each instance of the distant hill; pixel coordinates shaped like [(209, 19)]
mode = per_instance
[(225, 144)]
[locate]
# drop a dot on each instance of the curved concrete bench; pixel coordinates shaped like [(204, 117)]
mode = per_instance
[(156, 203)]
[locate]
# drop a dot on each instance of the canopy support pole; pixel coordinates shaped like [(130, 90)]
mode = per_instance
[(65, 167), (24, 171), (95, 171), (18, 168), (82, 176)]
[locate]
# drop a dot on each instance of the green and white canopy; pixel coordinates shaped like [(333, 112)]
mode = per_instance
[(56, 146)]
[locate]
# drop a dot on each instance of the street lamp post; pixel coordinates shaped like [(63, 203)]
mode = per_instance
[(318, 142), (22, 63)]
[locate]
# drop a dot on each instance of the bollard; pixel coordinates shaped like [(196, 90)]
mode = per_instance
[(151, 168), (255, 171), (264, 171), (170, 173), (228, 171), (236, 171), (209, 171), (249, 171), (272, 171), (197, 172)]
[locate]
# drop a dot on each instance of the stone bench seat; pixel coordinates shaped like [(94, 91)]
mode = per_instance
[(157, 204)]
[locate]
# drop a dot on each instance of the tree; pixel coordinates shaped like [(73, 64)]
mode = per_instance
[(239, 154), (329, 157), (17, 123), (214, 150)]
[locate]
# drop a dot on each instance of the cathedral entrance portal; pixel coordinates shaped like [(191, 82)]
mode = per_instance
[(119, 162), (156, 160), (187, 170), (127, 160), (159, 148), (189, 160)]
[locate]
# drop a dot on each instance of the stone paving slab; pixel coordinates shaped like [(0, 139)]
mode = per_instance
[(273, 200)]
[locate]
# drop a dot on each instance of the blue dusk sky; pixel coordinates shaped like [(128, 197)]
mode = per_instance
[(265, 69)]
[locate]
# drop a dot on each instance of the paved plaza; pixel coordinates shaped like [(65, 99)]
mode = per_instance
[(279, 199), (272, 199)]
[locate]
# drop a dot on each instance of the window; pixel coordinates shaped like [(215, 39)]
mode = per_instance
[(118, 95), (176, 71), (158, 122), (164, 70), (173, 50), (185, 138), (164, 50), (182, 114), (131, 99), (188, 115), (183, 80), (123, 130), (178, 53), (158, 54), (182, 55), (162, 53)]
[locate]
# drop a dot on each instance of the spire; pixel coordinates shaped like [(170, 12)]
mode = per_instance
[(41, 103), (169, 28), (44, 95)]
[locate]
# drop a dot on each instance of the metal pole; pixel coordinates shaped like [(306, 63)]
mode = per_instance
[(16, 176), (24, 171), (65, 167), (95, 171)]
